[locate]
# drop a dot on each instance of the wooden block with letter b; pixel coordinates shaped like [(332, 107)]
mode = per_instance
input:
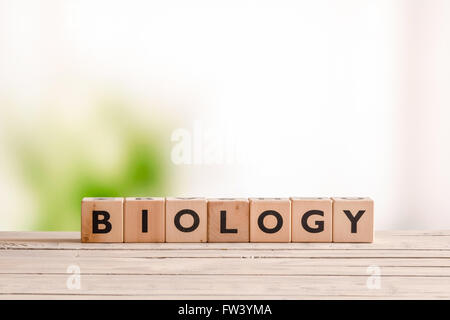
[(144, 220), (186, 220), (228, 220), (270, 220), (312, 219), (352, 219), (102, 220)]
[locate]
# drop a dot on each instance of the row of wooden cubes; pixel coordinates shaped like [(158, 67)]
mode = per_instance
[(227, 220)]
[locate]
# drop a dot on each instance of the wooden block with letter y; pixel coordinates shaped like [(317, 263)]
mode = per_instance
[(102, 220), (228, 220), (186, 220), (352, 219), (270, 220), (144, 220)]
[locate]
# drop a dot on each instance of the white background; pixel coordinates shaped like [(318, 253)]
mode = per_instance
[(329, 97)]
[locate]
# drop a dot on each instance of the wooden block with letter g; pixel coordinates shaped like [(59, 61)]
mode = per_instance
[(186, 220), (312, 219), (102, 220), (144, 220), (352, 219), (270, 220), (228, 220)]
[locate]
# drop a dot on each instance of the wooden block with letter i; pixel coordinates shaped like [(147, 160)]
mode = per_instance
[(312, 219), (186, 220), (352, 219), (270, 220), (228, 220), (144, 220), (102, 220)]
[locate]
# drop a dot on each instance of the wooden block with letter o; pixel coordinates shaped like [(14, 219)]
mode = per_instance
[(352, 219), (102, 220), (312, 219), (270, 220), (186, 220), (144, 220), (228, 220)]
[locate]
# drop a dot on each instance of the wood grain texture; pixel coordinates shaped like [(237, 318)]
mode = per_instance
[(102, 220), (317, 214), (352, 219), (144, 220), (230, 214), (410, 264), (270, 220), (191, 216)]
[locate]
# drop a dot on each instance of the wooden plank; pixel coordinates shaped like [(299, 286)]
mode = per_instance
[(239, 286), (34, 261), (71, 241), (230, 253), (236, 266), (412, 265)]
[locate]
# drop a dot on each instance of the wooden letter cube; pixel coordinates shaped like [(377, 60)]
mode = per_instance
[(270, 220), (186, 220), (144, 220), (352, 220), (102, 220), (228, 220), (312, 219)]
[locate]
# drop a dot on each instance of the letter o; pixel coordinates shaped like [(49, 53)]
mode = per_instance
[(268, 213), (194, 215)]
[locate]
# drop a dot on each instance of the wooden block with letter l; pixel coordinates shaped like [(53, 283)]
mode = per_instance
[(144, 220), (352, 219), (102, 220), (312, 219), (228, 220), (270, 220), (186, 220)]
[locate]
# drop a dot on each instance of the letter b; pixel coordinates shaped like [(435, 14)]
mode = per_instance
[(104, 221)]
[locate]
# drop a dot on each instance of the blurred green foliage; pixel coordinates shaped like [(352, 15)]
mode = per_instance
[(61, 165)]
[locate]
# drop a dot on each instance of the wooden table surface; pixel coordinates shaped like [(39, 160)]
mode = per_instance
[(398, 265)]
